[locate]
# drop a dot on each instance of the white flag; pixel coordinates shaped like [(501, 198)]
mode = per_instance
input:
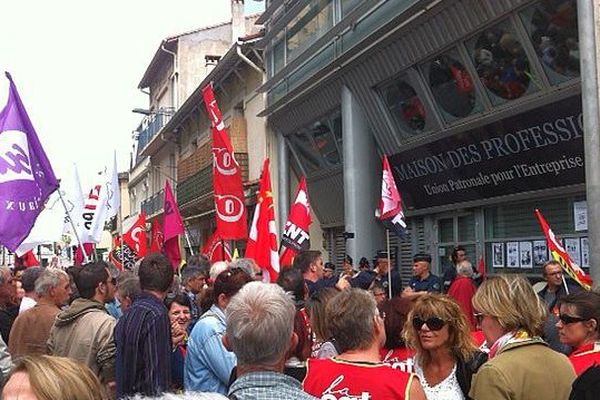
[(73, 196), (112, 187), (47, 227), (106, 205)]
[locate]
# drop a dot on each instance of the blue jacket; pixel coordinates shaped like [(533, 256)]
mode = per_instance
[(208, 364)]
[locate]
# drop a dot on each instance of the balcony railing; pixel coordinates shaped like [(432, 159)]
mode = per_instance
[(200, 184), (151, 125), (154, 204)]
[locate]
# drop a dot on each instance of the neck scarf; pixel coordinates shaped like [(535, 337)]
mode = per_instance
[(505, 340)]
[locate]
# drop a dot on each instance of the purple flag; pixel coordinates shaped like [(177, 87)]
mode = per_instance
[(26, 177)]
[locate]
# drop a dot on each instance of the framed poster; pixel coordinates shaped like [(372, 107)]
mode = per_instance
[(525, 257), (585, 253), (512, 254), (580, 215), (573, 249), (498, 255), (540, 252)]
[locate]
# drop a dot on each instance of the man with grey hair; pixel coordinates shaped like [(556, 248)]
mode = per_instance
[(28, 279), (462, 289), (193, 279), (31, 329), (260, 331), (249, 266)]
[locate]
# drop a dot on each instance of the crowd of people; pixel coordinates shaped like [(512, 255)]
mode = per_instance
[(215, 331)]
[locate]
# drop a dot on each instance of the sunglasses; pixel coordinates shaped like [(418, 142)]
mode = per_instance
[(478, 317), (568, 319), (433, 323)]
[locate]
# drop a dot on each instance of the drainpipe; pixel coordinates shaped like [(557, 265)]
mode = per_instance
[(174, 76), (246, 59)]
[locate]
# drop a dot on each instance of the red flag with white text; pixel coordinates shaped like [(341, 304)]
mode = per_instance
[(559, 254), (136, 237), (230, 206), (295, 237), (216, 249), (156, 237), (262, 242), (390, 205)]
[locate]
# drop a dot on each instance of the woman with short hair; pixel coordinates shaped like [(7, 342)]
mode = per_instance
[(445, 354), (579, 326), (520, 365)]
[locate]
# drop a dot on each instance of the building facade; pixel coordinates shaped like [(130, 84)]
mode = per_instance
[(476, 103)]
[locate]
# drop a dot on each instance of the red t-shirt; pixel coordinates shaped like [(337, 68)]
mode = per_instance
[(401, 358), (585, 356), (462, 291), (331, 379)]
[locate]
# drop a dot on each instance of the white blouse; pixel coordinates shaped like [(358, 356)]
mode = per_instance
[(448, 389)]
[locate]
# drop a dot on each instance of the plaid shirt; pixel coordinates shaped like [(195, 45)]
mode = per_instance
[(267, 386)]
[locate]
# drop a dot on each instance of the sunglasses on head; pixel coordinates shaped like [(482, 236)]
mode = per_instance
[(433, 323), (568, 319)]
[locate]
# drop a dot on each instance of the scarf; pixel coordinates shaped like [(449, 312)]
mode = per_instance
[(505, 340)]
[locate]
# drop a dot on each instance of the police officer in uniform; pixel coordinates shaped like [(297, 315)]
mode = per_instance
[(423, 281)]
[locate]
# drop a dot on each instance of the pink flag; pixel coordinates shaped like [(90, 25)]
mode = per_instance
[(172, 228)]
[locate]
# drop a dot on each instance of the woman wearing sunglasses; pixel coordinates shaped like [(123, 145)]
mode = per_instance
[(578, 327), (446, 356), (520, 365)]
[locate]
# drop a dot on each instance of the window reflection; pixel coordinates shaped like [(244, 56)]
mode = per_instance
[(406, 107), (452, 86), (319, 145), (553, 31), (501, 62)]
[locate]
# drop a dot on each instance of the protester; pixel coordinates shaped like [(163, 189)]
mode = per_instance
[(551, 294), (178, 306), (31, 329), (328, 270), (260, 321), (579, 327), (5, 362), (128, 288), (143, 334), (44, 377), (446, 356), (379, 294), (28, 279), (323, 346), (182, 396), (84, 331), (395, 352), (423, 281), (310, 262), (358, 372), (382, 269), (459, 254), (347, 268), (463, 289), (9, 309), (363, 264), (249, 266), (208, 364), (193, 279), (521, 365)]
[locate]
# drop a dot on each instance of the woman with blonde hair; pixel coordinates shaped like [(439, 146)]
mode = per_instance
[(520, 365), (45, 377), (445, 355)]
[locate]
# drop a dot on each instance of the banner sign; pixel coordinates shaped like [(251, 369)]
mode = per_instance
[(538, 149)]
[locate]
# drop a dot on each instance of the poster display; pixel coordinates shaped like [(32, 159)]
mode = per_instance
[(512, 254), (525, 258), (498, 255), (572, 246), (540, 252), (585, 253)]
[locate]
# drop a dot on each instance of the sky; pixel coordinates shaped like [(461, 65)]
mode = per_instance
[(77, 65)]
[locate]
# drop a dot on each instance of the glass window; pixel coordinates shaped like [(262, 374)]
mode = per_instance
[(278, 54), (310, 24), (319, 145), (405, 106), (552, 27), (452, 85), (501, 63)]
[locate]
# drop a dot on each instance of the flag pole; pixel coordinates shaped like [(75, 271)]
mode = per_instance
[(187, 239), (222, 250), (565, 283), (387, 239), (62, 200), (121, 238)]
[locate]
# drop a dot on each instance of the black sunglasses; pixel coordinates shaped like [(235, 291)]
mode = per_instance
[(568, 319), (433, 323)]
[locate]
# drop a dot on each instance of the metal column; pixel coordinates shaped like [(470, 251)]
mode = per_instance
[(362, 181), (283, 173), (591, 123)]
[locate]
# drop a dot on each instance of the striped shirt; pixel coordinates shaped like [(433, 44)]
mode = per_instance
[(143, 339)]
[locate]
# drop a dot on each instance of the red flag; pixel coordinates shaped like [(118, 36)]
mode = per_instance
[(79, 258), (172, 228), (156, 237), (481, 268), (126, 260), (295, 236), (216, 249), (136, 238), (26, 260), (262, 243), (560, 255), (390, 205), (230, 206)]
